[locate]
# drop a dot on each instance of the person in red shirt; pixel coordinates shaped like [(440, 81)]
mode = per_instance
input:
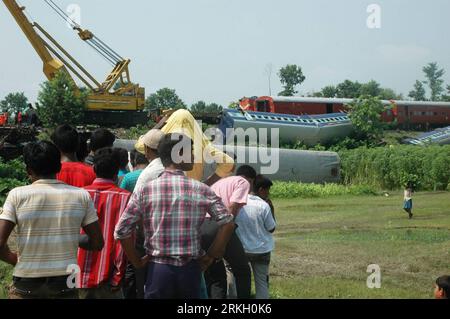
[(73, 172), (102, 272)]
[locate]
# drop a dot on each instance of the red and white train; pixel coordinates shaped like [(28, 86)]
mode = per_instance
[(407, 113)]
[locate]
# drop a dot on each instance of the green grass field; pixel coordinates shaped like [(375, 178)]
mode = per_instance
[(324, 245)]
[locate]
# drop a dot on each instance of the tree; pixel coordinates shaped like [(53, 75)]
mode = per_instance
[(14, 102), (365, 114), (389, 94), (371, 88), (290, 76), (418, 93), (201, 108), (61, 102), (329, 91), (446, 97), (164, 99), (349, 89), (435, 81)]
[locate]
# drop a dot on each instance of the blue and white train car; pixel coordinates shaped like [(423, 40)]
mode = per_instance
[(309, 129)]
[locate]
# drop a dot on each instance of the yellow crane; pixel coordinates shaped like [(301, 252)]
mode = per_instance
[(110, 98)]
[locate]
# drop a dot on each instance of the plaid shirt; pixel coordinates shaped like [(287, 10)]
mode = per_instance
[(173, 207)]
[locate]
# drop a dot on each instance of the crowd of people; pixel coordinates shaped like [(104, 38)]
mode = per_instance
[(145, 224)]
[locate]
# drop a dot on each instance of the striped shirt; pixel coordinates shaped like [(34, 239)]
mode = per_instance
[(48, 215), (108, 265), (172, 207)]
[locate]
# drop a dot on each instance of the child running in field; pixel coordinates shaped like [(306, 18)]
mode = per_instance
[(407, 204), (442, 288)]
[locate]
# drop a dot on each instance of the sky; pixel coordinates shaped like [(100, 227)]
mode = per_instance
[(221, 50)]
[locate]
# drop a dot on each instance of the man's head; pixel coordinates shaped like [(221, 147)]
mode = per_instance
[(247, 172), (150, 142), (106, 163), (442, 288), (101, 138), (122, 157), (42, 159), (137, 159), (66, 139), (176, 150), (261, 186)]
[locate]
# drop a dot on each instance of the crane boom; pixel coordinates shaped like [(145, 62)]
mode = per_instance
[(51, 65), (115, 93)]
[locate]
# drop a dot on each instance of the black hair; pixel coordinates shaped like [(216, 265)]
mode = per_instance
[(106, 163), (101, 138), (83, 149), (261, 182), (166, 145), (246, 171), (66, 139), (42, 158), (137, 158), (122, 156), (444, 284)]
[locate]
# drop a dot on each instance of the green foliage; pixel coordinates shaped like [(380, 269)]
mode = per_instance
[(365, 114), (12, 174), (434, 80), (164, 99), (348, 89), (290, 76), (61, 102), (14, 102), (202, 108), (329, 91), (392, 167), (298, 190), (418, 93), (133, 133)]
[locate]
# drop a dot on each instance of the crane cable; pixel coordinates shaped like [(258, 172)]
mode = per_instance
[(95, 43)]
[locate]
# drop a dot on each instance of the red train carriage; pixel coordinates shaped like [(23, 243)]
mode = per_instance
[(408, 113)]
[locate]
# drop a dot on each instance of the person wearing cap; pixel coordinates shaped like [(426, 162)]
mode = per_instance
[(135, 278), (148, 145), (182, 121)]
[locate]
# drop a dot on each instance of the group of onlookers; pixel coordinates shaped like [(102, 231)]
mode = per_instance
[(159, 230)]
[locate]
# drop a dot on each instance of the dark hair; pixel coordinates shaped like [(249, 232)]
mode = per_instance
[(101, 138), (122, 156), (66, 139), (106, 163), (83, 149), (246, 171), (166, 145), (444, 283), (261, 182), (42, 158), (137, 158)]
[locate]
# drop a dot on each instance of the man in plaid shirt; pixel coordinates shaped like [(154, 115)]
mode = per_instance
[(173, 208)]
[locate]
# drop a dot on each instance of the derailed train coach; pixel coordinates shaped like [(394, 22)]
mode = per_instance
[(407, 114), (277, 164)]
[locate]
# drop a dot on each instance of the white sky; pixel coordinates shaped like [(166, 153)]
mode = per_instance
[(218, 50)]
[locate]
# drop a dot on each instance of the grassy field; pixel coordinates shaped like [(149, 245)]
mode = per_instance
[(324, 245)]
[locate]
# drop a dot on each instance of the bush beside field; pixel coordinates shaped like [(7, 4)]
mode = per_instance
[(389, 168), (287, 190)]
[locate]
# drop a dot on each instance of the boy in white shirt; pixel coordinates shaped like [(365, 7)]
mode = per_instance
[(255, 227)]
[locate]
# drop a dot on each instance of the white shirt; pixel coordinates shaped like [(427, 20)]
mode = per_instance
[(254, 221), (150, 173)]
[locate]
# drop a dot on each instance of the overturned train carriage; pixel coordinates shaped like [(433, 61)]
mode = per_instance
[(278, 164)]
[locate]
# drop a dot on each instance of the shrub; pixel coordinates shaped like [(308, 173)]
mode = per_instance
[(391, 167), (300, 190)]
